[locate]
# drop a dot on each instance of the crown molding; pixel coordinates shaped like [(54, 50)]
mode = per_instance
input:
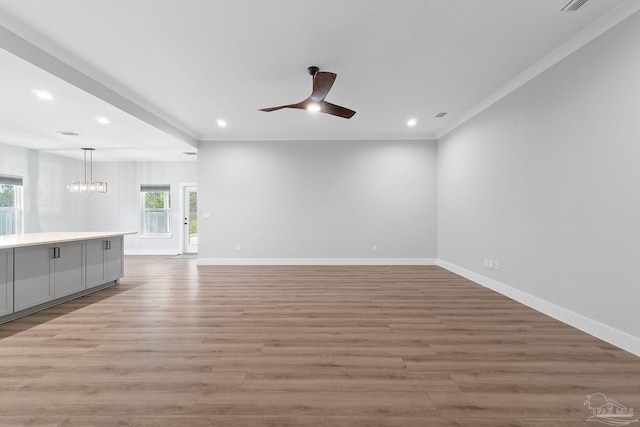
[(593, 31)]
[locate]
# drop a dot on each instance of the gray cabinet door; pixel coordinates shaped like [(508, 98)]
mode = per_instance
[(33, 282), (104, 261), (6, 281), (114, 265), (67, 269), (95, 263)]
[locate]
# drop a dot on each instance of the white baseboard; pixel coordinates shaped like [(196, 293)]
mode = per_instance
[(317, 261), (150, 252), (606, 333)]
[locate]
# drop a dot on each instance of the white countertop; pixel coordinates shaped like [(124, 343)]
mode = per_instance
[(33, 239)]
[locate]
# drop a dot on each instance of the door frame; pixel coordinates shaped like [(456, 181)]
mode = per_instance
[(183, 208)]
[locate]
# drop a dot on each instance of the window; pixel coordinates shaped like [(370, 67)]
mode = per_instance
[(10, 204), (156, 210)]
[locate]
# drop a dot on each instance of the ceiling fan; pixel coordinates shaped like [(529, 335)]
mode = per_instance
[(322, 82)]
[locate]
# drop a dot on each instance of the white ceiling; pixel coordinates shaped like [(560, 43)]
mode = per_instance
[(164, 71)]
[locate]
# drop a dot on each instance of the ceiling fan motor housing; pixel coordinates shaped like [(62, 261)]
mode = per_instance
[(313, 70)]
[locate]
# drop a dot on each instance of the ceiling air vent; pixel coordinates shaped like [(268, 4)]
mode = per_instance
[(190, 153), (574, 5), (440, 115), (68, 133)]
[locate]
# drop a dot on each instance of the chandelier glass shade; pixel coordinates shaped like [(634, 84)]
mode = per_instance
[(88, 185)]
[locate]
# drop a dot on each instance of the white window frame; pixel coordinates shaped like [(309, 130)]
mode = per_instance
[(17, 208), (148, 188)]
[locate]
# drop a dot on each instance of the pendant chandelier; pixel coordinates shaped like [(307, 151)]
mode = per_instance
[(88, 186)]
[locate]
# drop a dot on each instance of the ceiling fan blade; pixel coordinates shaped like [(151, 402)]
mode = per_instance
[(322, 82), (336, 110), (273, 108), (300, 105)]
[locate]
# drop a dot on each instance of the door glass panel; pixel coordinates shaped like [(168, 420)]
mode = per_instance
[(193, 218)]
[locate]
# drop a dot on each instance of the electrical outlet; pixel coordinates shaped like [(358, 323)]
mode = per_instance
[(486, 262), (496, 265), (491, 264), (238, 248), (374, 248)]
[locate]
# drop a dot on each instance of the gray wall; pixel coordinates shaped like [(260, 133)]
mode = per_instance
[(48, 206), (317, 199), (547, 182), (119, 209)]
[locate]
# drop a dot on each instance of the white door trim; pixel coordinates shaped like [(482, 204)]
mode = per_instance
[(183, 205)]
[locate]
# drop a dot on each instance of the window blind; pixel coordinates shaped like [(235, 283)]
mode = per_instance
[(10, 180), (157, 188)]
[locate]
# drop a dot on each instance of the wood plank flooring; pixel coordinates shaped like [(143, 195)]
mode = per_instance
[(176, 345)]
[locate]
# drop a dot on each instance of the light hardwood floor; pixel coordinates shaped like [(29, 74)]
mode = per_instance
[(184, 346)]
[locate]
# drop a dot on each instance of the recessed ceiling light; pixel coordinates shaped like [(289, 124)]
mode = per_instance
[(221, 123), (68, 133), (313, 107), (190, 153), (412, 122), (42, 94), (102, 120), (441, 114)]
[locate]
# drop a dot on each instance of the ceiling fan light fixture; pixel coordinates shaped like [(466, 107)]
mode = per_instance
[(313, 107)]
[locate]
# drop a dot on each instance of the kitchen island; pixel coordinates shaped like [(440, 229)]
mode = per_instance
[(40, 270)]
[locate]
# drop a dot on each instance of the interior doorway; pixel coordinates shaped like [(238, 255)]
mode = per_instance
[(190, 219)]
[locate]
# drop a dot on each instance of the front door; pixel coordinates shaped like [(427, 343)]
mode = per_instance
[(191, 220)]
